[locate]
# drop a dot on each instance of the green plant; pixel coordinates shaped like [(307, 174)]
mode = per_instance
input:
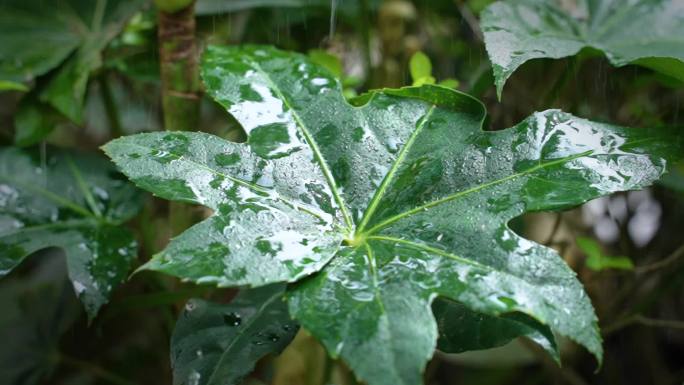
[(388, 202)]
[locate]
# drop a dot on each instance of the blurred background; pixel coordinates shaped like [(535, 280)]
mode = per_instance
[(628, 249)]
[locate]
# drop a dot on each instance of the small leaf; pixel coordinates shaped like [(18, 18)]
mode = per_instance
[(215, 344), (520, 30), (327, 60), (386, 203), (598, 261), (420, 68), (6, 85), (74, 202)]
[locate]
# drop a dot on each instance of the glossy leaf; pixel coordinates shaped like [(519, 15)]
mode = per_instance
[(74, 202), (394, 200), (216, 344), (644, 32), (73, 32)]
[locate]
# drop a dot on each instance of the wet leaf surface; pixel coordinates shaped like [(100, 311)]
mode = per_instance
[(72, 201), (216, 344), (391, 202), (645, 32)]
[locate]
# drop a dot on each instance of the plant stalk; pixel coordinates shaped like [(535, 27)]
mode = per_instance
[(179, 69), (178, 60)]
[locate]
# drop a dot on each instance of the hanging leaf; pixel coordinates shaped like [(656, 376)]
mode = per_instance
[(72, 32), (644, 32), (461, 329), (217, 344), (387, 204), (74, 202)]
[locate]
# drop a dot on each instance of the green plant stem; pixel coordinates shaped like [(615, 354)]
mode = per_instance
[(111, 109), (179, 69), (180, 83), (93, 369)]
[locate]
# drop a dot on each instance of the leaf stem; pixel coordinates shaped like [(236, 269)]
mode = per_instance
[(389, 177)]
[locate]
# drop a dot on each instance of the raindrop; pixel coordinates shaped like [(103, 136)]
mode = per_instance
[(232, 319), (190, 306)]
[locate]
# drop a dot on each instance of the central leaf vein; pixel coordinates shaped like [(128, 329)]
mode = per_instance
[(389, 177), (475, 189), (312, 143)]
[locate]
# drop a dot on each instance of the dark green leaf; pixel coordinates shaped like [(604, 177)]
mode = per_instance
[(645, 32), (36, 311), (396, 199), (74, 29), (461, 329), (215, 344), (34, 121), (74, 202)]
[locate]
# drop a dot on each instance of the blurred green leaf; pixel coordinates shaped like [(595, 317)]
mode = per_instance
[(327, 60), (674, 179), (216, 344), (7, 85), (421, 69), (34, 121), (71, 31), (54, 198), (597, 260), (36, 310), (449, 83)]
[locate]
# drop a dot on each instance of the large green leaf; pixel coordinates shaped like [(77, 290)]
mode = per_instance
[(71, 201), (38, 35), (215, 344), (645, 32), (394, 201)]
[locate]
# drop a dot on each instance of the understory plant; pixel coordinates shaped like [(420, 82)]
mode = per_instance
[(380, 224)]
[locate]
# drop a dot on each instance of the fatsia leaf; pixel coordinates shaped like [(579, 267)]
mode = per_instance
[(71, 201), (645, 32), (74, 32), (216, 344), (395, 200)]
